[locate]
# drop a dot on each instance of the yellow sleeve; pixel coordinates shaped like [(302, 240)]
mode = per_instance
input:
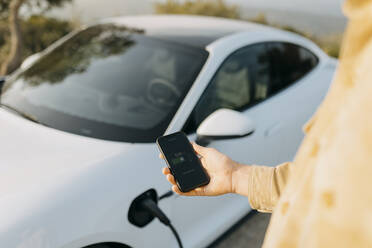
[(266, 185)]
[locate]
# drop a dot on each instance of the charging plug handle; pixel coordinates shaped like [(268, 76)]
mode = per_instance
[(145, 208), (151, 206), (137, 214)]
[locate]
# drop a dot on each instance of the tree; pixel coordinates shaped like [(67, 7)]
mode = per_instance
[(198, 7), (10, 9), (40, 31)]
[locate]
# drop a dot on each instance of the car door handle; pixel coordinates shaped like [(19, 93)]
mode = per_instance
[(273, 129)]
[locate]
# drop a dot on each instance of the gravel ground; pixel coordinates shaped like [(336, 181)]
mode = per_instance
[(248, 233)]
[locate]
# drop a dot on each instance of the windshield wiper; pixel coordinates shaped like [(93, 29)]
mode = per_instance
[(23, 114)]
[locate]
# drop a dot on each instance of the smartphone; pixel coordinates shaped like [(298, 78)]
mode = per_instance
[(182, 161)]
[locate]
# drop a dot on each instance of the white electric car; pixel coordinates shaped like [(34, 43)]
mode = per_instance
[(78, 125)]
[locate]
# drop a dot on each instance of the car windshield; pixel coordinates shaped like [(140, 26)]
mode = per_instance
[(107, 82)]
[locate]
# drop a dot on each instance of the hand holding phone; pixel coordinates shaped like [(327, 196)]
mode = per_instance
[(182, 161)]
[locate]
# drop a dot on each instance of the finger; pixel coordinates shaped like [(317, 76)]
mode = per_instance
[(161, 156), (171, 179), (200, 190), (190, 193), (178, 191), (199, 149), (166, 171)]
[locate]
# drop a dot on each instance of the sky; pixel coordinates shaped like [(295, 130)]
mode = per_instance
[(318, 16), (93, 9), (323, 7)]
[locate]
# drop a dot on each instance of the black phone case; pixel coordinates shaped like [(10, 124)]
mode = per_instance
[(184, 190)]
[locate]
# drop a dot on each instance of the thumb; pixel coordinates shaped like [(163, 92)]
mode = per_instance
[(201, 150)]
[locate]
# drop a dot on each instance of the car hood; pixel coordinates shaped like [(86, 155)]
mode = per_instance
[(33, 155)]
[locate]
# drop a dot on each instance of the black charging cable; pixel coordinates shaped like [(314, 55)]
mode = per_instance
[(152, 207)]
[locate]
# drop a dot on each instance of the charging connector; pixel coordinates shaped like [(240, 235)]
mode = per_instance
[(154, 209), (145, 208)]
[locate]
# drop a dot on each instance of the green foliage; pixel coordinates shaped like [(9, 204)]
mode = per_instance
[(4, 7), (4, 40), (198, 7), (331, 44), (260, 18), (4, 32), (38, 33), (42, 5), (12, 61), (47, 3)]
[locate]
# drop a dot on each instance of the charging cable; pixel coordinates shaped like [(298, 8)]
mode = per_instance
[(152, 207)]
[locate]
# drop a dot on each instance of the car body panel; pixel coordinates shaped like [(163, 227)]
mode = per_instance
[(46, 172)]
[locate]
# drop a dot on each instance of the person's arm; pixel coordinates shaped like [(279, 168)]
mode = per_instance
[(261, 184), (264, 185)]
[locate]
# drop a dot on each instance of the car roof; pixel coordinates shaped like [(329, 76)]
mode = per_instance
[(197, 31)]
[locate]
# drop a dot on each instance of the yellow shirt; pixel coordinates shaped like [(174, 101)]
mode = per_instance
[(324, 199)]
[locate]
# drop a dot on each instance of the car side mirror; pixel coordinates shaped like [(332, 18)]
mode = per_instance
[(224, 124), (30, 60)]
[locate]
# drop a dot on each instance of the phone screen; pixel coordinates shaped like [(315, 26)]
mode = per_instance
[(182, 161)]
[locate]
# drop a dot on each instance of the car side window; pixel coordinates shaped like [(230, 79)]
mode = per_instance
[(251, 75), (289, 63)]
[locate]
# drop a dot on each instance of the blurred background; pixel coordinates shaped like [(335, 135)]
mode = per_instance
[(41, 22)]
